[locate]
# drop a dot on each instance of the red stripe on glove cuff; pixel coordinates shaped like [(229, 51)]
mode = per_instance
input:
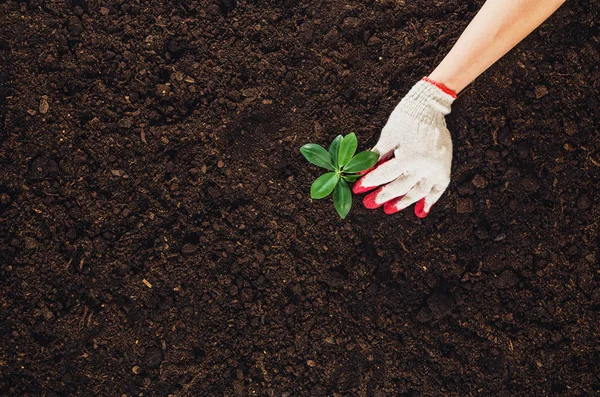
[(441, 87)]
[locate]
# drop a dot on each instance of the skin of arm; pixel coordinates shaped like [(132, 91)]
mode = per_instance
[(495, 30)]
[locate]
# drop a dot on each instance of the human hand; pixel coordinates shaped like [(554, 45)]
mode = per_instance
[(415, 151)]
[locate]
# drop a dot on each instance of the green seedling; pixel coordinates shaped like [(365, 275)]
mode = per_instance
[(344, 167)]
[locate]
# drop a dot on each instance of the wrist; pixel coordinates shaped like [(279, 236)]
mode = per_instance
[(440, 85)]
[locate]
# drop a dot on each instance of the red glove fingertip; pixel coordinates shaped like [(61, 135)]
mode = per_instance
[(390, 206), (358, 188), (369, 200), (420, 209)]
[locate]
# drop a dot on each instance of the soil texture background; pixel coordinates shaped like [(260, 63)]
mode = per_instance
[(157, 236)]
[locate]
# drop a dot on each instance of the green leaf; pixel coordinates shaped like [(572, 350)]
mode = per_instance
[(347, 149), (333, 150), (362, 161), (342, 198), (323, 185), (317, 155), (352, 178)]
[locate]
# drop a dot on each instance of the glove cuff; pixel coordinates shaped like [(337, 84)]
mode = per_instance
[(426, 102), (441, 86)]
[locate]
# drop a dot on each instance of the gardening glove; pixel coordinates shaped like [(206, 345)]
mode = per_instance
[(415, 150)]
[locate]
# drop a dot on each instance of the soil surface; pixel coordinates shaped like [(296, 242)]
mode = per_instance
[(157, 236)]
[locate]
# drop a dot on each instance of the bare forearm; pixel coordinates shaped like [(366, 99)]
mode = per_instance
[(497, 28)]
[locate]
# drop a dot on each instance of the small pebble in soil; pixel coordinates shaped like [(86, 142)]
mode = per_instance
[(540, 91), (522, 149), (570, 127), (506, 279), (74, 26), (584, 202), (440, 304), (311, 363), (104, 10), (153, 357), (125, 122), (332, 37), (262, 189), (465, 189), (47, 313), (234, 95), (464, 205), (136, 369), (374, 40), (30, 243), (424, 315), (530, 183), (44, 106), (479, 181), (493, 156), (188, 249)]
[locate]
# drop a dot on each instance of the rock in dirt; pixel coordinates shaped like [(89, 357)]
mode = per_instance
[(374, 40), (596, 295), (47, 313), (74, 26), (351, 23), (465, 189), (464, 205), (479, 181), (540, 91), (125, 122), (424, 315), (584, 202), (239, 388), (152, 357), (262, 189), (4, 199), (332, 37), (234, 95), (506, 279), (531, 183), (189, 249), (44, 106), (440, 304), (30, 243), (136, 369)]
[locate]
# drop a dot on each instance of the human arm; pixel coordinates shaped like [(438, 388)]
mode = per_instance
[(496, 29), (415, 146)]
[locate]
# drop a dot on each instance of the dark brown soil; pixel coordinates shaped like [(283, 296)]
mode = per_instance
[(157, 236)]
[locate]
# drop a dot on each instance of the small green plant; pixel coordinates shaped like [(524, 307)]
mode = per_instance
[(344, 166)]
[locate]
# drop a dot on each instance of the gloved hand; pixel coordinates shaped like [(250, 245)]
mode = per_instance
[(415, 151)]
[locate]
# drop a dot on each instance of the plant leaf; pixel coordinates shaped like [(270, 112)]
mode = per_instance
[(323, 185), (333, 150), (342, 198), (317, 155), (352, 178), (362, 161), (347, 149)]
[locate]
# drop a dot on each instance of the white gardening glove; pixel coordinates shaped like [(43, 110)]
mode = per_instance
[(415, 151)]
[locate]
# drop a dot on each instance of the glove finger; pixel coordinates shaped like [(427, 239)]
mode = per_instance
[(400, 203), (424, 205), (397, 188), (384, 148), (382, 174), (379, 162)]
